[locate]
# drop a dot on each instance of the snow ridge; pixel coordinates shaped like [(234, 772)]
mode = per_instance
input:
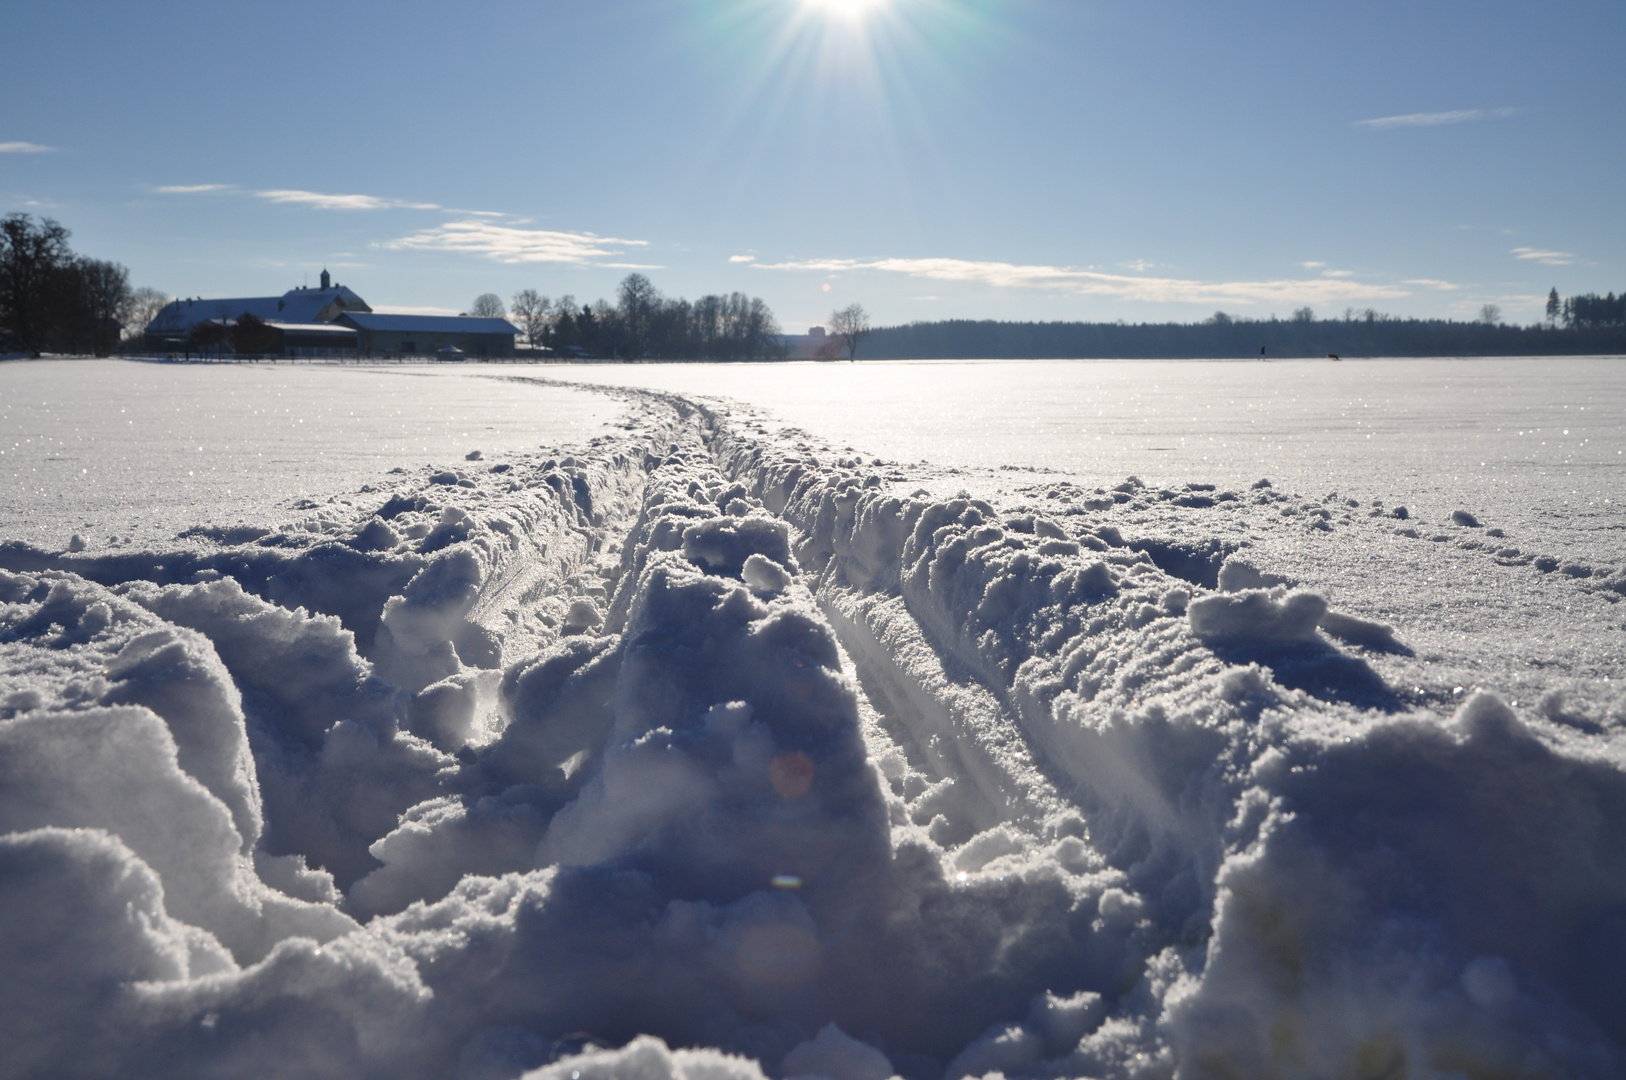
[(705, 752)]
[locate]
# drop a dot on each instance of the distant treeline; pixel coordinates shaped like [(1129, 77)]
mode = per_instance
[(1592, 310), (643, 324), (52, 300), (1593, 325)]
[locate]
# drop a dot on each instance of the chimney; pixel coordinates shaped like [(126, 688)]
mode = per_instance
[(327, 282)]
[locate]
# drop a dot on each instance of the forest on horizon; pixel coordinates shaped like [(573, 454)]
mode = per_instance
[(1580, 326)]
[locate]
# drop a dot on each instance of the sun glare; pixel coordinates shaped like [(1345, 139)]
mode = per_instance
[(847, 9)]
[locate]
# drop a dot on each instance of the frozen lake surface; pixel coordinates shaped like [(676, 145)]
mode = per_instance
[(732, 721)]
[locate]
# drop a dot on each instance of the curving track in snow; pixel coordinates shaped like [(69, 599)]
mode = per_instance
[(707, 733)]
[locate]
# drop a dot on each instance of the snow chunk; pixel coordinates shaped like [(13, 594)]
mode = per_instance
[(1063, 1021), (1257, 615), (1363, 632), (1003, 1049), (722, 545), (83, 914), (84, 647), (834, 1054), (583, 615), (1235, 575), (115, 769), (764, 574), (648, 1058)]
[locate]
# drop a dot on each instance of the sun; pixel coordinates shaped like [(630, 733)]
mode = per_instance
[(846, 9)]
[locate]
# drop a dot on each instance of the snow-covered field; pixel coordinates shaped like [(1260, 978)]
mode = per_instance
[(1055, 720)]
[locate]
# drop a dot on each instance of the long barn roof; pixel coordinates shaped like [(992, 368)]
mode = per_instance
[(427, 324)]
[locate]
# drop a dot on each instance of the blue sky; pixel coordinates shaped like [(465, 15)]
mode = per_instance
[(1013, 159)]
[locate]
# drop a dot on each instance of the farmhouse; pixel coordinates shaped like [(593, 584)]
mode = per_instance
[(300, 307), (332, 321), (426, 335)]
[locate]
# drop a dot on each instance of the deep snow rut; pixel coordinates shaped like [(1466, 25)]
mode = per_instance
[(704, 733)]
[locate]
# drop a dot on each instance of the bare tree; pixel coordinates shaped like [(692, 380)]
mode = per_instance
[(638, 300), (105, 288), (142, 308), (1304, 315), (531, 310), (488, 306), (851, 324), (30, 258), (1490, 314)]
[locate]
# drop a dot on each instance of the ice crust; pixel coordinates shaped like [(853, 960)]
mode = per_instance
[(698, 753)]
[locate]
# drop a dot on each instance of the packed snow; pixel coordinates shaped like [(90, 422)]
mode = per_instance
[(734, 722)]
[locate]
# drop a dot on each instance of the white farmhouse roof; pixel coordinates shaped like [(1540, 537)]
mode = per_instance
[(294, 306)]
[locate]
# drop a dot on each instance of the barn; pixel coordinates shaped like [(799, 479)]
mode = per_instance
[(299, 307), (426, 335)]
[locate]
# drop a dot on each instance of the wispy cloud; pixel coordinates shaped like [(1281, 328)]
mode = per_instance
[(1546, 258), (340, 202), (1312, 265), (1140, 266), (1433, 283), (1124, 287), (1338, 273), (24, 148), (507, 244), (1434, 119), (742, 258), (318, 199)]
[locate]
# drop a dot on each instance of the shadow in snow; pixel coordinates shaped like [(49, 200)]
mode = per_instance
[(1319, 670)]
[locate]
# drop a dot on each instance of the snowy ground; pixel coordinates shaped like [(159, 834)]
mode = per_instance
[(144, 451), (873, 721)]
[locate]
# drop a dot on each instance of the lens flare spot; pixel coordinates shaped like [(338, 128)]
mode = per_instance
[(791, 774)]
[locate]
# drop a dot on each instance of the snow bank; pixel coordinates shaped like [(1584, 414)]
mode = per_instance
[(97, 742), (1331, 944), (1204, 737), (701, 754)]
